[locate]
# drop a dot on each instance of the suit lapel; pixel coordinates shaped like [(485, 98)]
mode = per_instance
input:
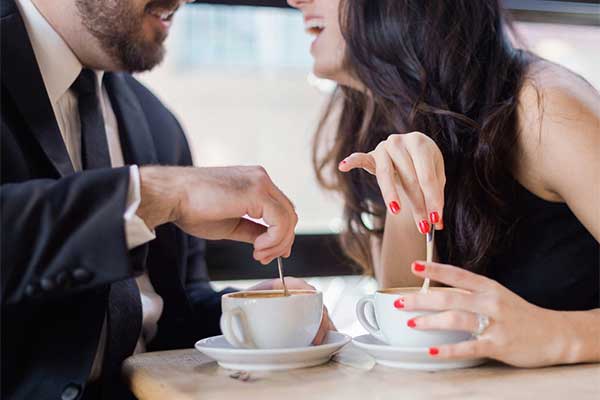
[(136, 139), (22, 78)]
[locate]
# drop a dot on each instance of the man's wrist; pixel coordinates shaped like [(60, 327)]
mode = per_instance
[(159, 195)]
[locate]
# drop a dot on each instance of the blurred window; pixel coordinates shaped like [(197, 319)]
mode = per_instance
[(239, 80)]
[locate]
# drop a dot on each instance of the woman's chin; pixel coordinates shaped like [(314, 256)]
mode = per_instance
[(326, 72)]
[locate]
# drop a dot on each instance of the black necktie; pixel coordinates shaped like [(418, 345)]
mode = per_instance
[(124, 303), (94, 146)]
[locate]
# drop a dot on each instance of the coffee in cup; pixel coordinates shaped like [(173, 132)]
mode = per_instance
[(268, 319), (389, 324)]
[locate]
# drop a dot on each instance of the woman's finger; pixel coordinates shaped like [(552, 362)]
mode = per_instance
[(405, 168), (453, 276), (455, 320), (460, 351), (386, 179), (358, 160), (440, 300), (431, 185)]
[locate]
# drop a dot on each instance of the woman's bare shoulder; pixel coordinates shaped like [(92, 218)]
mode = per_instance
[(558, 111), (549, 84)]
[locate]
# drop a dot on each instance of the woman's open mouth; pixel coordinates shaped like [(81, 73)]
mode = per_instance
[(314, 26)]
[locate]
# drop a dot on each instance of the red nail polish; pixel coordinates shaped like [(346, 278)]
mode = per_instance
[(411, 323), (434, 351), (399, 303), (424, 227), (419, 267), (395, 207), (343, 162), (434, 217)]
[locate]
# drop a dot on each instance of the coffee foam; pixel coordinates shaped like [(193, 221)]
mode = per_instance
[(268, 294)]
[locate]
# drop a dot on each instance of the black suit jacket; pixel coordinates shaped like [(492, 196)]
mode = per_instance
[(62, 237)]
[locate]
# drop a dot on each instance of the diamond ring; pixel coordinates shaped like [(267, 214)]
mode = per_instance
[(483, 321)]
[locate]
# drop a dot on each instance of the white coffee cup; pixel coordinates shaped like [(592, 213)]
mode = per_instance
[(265, 319), (389, 324)]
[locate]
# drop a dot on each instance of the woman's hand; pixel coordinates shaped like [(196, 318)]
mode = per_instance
[(519, 333), (300, 284), (412, 163)]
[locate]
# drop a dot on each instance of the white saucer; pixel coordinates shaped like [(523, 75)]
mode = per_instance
[(415, 358), (220, 350)]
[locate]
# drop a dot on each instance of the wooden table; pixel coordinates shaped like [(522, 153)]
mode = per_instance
[(188, 374)]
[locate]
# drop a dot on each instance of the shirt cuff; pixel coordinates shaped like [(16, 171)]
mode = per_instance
[(136, 230)]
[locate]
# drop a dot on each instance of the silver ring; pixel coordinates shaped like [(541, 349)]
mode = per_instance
[(483, 321)]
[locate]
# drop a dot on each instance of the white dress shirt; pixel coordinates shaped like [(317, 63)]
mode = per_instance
[(59, 68)]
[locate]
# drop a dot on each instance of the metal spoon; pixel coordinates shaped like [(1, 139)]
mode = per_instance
[(280, 267)]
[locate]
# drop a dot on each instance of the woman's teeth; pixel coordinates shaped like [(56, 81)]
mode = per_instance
[(314, 26)]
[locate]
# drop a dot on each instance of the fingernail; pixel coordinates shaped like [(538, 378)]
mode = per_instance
[(399, 303), (411, 323), (395, 207), (434, 217), (424, 227), (419, 267), (343, 162), (434, 351)]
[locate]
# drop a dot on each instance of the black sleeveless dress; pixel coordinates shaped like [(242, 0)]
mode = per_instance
[(552, 260)]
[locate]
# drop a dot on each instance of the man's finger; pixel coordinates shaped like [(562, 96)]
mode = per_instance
[(247, 231), (280, 224), (323, 328), (281, 250)]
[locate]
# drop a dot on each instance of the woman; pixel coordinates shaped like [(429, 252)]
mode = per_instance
[(492, 146)]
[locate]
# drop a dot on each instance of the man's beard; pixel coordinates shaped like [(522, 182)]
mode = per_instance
[(119, 29)]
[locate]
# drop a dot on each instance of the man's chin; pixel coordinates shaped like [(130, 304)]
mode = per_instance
[(140, 58)]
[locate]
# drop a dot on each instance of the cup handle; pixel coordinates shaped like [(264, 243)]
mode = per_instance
[(361, 306), (227, 328)]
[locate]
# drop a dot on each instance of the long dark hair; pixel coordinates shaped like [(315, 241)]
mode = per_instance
[(445, 68)]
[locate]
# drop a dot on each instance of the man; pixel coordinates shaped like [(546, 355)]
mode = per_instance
[(100, 256)]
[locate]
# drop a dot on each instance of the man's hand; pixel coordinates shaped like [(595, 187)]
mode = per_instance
[(300, 284), (211, 202)]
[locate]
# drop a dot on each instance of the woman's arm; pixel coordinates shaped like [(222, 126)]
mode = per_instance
[(559, 160), (401, 244), (559, 143)]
